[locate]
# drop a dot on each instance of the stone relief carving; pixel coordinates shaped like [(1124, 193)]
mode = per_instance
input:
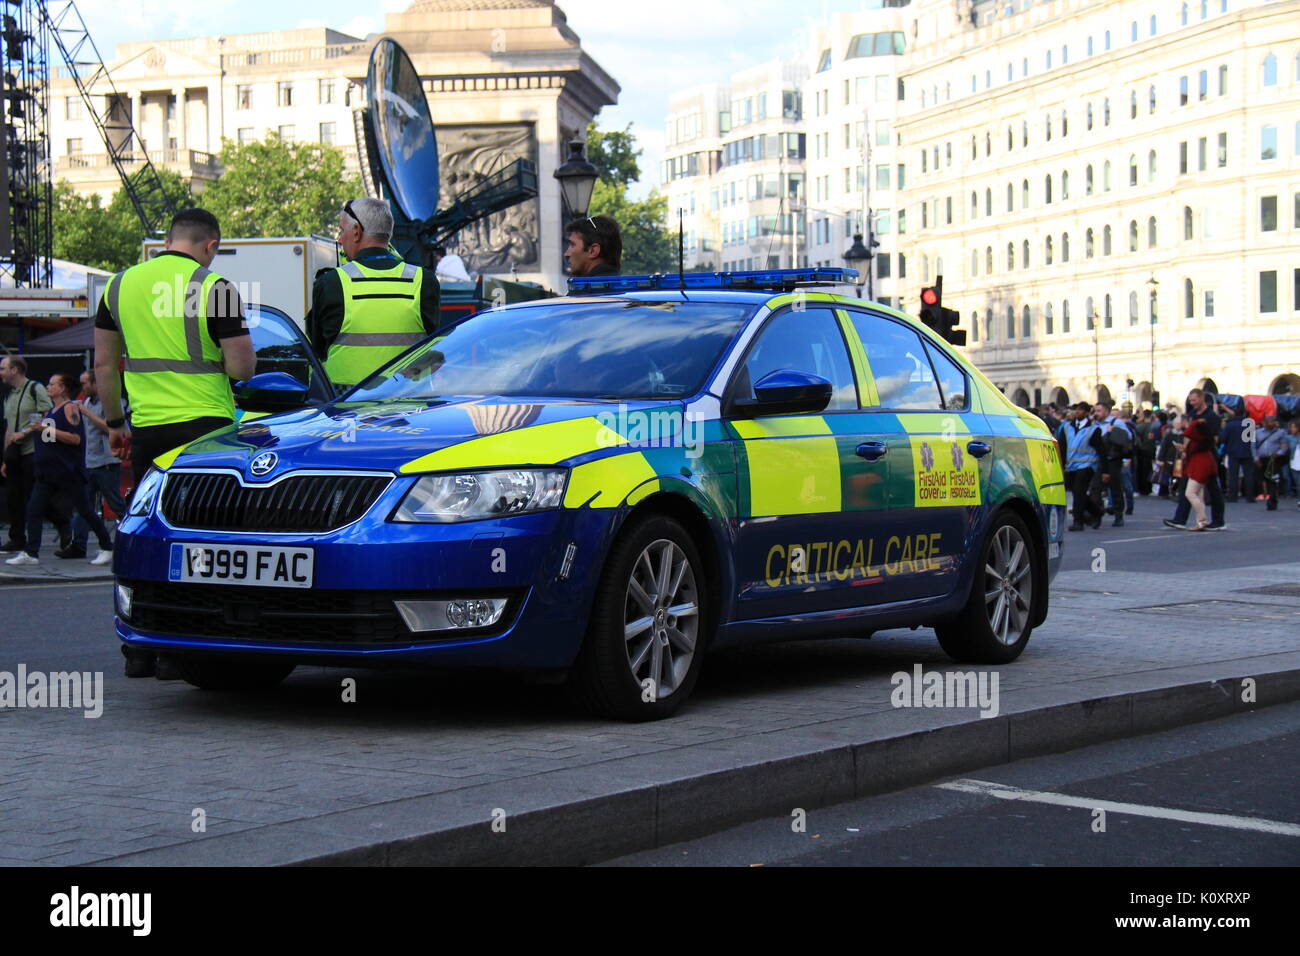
[(468, 154)]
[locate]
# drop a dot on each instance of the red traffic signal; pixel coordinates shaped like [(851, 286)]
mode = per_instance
[(929, 296)]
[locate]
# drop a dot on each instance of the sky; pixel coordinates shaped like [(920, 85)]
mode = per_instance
[(651, 49)]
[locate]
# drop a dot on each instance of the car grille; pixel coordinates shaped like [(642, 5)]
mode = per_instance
[(286, 615), (216, 501)]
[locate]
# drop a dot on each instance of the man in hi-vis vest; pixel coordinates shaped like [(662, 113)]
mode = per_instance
[(373, 307), (181, 329)]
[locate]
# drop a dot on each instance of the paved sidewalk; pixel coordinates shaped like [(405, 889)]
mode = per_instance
[(419, 767)]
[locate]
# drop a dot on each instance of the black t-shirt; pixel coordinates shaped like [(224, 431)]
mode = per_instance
[(225, 311)]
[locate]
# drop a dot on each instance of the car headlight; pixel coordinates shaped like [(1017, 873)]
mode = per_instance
[(142, 500), (482, 494)]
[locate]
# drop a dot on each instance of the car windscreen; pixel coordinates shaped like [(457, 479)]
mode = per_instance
[(626, 349)]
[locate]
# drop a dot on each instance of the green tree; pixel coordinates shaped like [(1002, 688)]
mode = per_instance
[(105, 237), (647, 245), (278, 188)]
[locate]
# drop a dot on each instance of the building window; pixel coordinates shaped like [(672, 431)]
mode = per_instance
[(1268, 292), (1109, 317), (1011, 197), (1024, 194), (1203, 85), (1132, 169), (1011, 256), (1133, 105), (74, 147), (1202, 154), (244, 135), (1182, 157), (1223, 150), (1151, 29), (1105, 112), (1132, 235), (1065, 316), (1065, 247), (1189, 300), (882, 176), (74, 108), (329, 136), (974, 326), (1105, 241), (1107, 40), (1182, 13), (1026, 323), (1065, 186), (1105, 177), (1087, 181), (286, 133), (1090, 313), (1209, 304), (988, 260), (1270, 70), (1047, 319), (1011, 321), (1268, 214), (243, 97), (1047, 251), (1133, 308), (1133, 32), (1024, 254), (1089, 244), (1047, 189), (1151, 99), (1188, 224), (1024, 133), (1089, 46), (1151, 232), (1065, 123), (988, 202), (1088, 117), (284, 94), (1151, 166), (974, 263), (325, 91), (1268, 142), (1223, 79), (1183, 94)]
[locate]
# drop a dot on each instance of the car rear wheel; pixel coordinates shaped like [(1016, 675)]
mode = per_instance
[(994, 626), (644, 645), (229, 674)]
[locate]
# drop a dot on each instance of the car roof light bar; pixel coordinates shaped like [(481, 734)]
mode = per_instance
[(766, 280)]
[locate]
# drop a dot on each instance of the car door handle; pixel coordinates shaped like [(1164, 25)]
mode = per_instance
[(872, 450), (979, 448)]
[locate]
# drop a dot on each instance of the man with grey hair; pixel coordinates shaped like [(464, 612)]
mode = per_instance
[(374, 306)]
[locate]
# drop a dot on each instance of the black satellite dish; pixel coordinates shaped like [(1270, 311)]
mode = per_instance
[(399, 152), (403, 131)]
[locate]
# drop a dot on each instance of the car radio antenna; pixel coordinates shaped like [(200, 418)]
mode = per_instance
[(681, 251)]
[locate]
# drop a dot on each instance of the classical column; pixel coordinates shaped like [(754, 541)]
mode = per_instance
[(211, 132), (137, 120), (179, 94)]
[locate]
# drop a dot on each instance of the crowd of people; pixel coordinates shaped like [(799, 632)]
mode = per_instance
[(1202, 457), (56, 460)]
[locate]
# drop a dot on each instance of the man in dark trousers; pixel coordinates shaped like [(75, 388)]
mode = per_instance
[(374, 306), (1239, 447), (595, 247), (1198, 407), (1080, 440), (181, 329)]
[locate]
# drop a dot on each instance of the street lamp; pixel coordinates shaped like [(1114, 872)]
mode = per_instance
[(577, 179), (858, 257), (1153, 284)]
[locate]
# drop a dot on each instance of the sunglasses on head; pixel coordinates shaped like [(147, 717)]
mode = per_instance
[(347, 210)]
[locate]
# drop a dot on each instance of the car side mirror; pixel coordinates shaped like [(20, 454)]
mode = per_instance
[(785, 392), (270, 392)]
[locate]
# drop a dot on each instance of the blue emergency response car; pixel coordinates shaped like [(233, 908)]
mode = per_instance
[(603, 486)]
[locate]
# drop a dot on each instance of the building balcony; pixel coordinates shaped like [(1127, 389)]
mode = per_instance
[(94, 172)]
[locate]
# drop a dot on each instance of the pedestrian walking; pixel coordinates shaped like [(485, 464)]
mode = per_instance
[(1199, 468), (59, 471), (103, 470), (1239, 444), (1081, 449), (1147, 430), (376, 305), (1271, 458), (182, 329), (1198, 409)]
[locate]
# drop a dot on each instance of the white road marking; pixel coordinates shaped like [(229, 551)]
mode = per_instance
[(1004, 792), (54, 584), (1150, 537)]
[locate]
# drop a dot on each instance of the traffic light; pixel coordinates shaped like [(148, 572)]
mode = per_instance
[(941, 320)]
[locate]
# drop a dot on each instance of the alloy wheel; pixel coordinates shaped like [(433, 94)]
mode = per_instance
[(1008, 584), (661, 617)]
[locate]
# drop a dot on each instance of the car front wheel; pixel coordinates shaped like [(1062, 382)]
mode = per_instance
[(644, 645)]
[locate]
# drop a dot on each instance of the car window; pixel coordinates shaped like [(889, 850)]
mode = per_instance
[(902, 373), (623, 348), (280, 347), (952, 380), (807, 341)]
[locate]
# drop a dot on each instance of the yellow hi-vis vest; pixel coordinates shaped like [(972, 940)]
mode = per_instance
[(174, 371), (381, 318)]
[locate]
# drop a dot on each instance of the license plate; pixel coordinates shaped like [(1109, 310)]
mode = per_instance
[(225, 564)]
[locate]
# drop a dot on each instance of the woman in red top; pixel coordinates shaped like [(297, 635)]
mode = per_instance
[(1199, 468)]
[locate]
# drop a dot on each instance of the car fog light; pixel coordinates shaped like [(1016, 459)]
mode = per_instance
[(124, 602), (451, 615)]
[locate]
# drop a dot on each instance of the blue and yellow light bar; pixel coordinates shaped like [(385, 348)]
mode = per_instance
[(766, 280)]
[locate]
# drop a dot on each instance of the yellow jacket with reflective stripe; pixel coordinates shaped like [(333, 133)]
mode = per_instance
[(174, 371), (381, 318)]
